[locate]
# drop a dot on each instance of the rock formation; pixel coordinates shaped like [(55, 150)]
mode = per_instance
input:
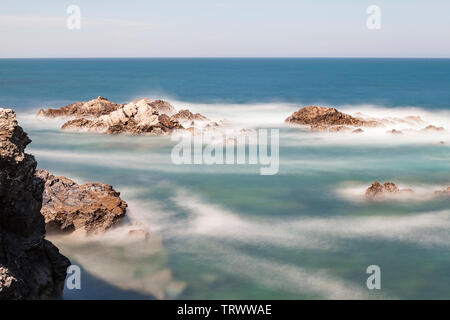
[(94, 108), (31, 267), (378, 190), (67, 206), (322, 118), (134, 118)]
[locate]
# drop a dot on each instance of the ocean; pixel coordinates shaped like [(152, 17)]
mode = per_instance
[(227, 232)]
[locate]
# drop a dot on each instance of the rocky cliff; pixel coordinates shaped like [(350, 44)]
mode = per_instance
[(30, 266)]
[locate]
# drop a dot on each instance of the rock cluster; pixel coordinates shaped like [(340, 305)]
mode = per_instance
[(31, 267), (139, 117), (67, 206), (328, 119), (378, 190)]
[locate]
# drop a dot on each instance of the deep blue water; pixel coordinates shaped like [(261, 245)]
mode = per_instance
[(26, 83)]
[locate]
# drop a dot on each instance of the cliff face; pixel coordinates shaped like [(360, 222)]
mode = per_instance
[(30, 266)]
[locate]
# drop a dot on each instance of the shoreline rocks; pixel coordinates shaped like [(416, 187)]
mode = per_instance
[(31, 267), (67, 206)]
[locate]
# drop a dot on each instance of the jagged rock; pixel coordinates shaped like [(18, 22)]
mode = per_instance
[(445, 193), (93, 108), (132, 118), (378, 190), (163, 107), (67, 206), (186, 115), (321, 117), (31, 267)]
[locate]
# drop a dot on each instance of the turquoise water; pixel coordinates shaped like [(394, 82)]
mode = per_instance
[(228, 232)]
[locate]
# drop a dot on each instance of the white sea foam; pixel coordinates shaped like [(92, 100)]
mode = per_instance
[(319, 233), (288, 277)]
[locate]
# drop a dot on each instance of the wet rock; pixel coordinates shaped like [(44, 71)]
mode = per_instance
[(67, 206), (31, 267)]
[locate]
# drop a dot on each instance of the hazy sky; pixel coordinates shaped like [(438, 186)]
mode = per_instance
[(225, 28)]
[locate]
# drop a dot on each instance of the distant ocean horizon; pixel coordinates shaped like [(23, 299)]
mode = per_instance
[(390, 82)]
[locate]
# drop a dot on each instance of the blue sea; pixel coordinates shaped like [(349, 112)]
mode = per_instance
[(227, 232)]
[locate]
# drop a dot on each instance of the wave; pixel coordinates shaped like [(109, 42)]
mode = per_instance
[(310, 232)]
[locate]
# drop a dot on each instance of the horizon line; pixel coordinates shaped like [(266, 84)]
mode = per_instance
[(218, 57)]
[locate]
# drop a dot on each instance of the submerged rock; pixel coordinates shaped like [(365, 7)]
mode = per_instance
[(93, 108), (31, 267), (322, 118), (67, 206)]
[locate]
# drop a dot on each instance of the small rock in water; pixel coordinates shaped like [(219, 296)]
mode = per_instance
[(445, 193), (378, 190)]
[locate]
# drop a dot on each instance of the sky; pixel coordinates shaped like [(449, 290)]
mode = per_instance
[(224, 28)]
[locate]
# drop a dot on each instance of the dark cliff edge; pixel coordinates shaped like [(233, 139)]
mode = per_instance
[(31, 267)]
